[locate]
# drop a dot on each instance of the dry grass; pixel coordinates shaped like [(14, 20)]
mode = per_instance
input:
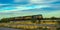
[(18, 24), (21, 24)]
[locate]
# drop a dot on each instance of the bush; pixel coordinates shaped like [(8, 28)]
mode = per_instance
[(4, 20)]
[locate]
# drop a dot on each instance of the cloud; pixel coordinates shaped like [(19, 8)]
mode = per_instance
[(48, 7), (21, 1), (4, 4), (42, 1), (20, 8)]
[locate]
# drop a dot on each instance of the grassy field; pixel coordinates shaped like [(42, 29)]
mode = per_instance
[(24, 24), (18, 24)]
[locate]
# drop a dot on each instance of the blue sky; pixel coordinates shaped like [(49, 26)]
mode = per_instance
[(14, 8)]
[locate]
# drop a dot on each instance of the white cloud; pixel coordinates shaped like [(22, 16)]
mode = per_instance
[(20, 8), (42, 1), (4, 4)]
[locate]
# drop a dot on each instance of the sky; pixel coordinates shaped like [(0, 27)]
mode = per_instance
[(15, 8)]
